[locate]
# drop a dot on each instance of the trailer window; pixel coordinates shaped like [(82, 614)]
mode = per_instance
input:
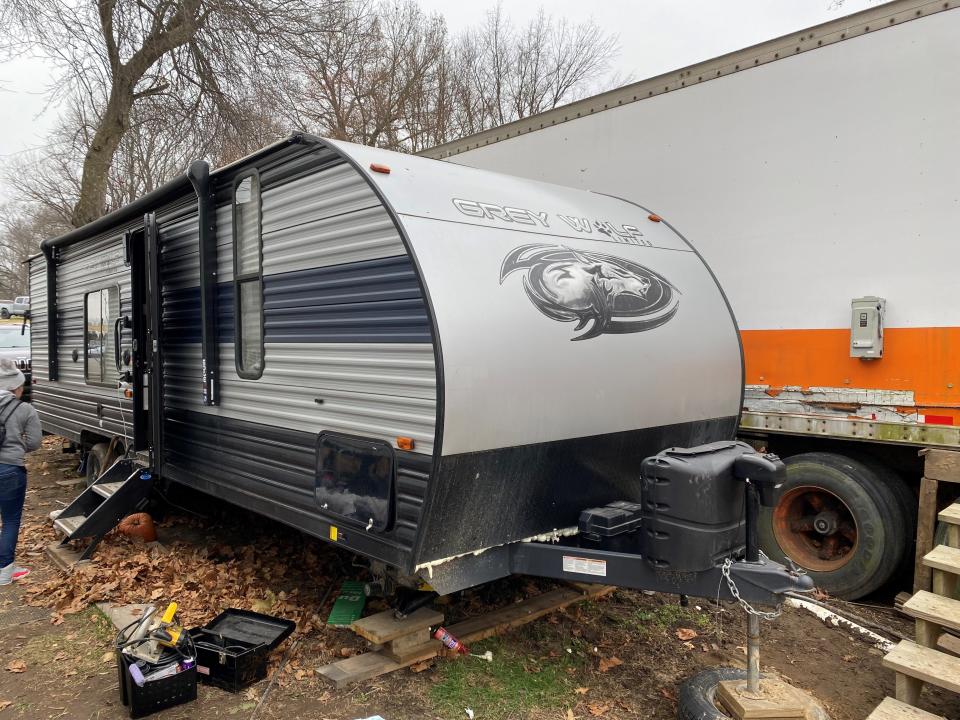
[(248, 276), (355, 479), (101, 308)]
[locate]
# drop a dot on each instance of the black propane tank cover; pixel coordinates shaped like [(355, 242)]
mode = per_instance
[(693, 506)]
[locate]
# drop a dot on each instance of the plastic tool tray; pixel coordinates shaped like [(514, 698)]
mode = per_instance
[(233, 649)]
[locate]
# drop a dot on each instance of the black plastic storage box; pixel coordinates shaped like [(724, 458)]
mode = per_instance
[(614, 527), (233, 649), (155, 695)]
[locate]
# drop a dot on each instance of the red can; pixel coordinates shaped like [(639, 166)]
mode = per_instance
[(449, 641)]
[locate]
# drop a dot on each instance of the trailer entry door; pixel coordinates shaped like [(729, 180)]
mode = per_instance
[(143, 255)]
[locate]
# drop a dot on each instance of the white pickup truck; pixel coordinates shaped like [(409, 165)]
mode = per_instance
[(19, 306)]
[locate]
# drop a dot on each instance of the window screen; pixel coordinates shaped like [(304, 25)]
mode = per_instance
[(101, 309), (355, 479), (248, 276)]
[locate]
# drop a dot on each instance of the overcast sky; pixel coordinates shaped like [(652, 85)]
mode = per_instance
[(655, 35)]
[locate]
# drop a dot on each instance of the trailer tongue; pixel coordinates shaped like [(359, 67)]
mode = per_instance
[(689, 535)]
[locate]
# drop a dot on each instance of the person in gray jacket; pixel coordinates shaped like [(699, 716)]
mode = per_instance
[(23, 435)]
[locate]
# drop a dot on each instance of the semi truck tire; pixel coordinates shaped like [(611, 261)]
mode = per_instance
[(839, 519), (96, 462)]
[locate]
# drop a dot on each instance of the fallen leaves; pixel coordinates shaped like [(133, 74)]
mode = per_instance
[(16, 666), (598, 709), (421, 666), (686, 634), (582, 690), (4, 704), (609, 663)]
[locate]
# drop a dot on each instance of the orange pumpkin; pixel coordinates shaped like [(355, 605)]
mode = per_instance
[(139, 525)]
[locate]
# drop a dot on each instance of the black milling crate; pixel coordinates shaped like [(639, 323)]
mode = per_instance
[(155, 695), (234, 648)]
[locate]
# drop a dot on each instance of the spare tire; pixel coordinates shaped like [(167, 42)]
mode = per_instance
[(840, 520), (698, 696), (697, 699)]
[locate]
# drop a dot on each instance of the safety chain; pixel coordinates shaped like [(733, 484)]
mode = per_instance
[(750, 610)]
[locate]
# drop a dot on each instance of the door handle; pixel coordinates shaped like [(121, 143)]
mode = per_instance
[(120, 323)]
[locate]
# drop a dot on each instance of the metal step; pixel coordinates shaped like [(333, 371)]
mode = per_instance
[(68, 525), (891, 709), (106, 489)]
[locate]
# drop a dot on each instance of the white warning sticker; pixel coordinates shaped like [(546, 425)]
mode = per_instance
[(584, 566)]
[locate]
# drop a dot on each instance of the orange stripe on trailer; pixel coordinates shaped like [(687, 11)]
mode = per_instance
[(923, 360)]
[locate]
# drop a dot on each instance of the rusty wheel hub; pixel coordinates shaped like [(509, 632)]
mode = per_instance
[(815, 528)]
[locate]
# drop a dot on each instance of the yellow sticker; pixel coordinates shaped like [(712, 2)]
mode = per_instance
[(333, 533)]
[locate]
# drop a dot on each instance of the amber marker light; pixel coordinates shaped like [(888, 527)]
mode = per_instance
[(377, 167), (405, 443), (654, 218)]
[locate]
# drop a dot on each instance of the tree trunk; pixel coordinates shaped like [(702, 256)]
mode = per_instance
[(96, 164)]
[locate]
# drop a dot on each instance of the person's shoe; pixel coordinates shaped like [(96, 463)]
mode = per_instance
[(11, 572)]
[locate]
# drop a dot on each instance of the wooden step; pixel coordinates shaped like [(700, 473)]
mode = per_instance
[(69, 525), (106, 489), (891, 709), (939, 610), (925, 665), (950, 515), (943, 557)]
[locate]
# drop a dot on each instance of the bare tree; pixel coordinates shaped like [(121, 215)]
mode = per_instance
[(117, 54), (21, 230), (504, 74), (394, 76)]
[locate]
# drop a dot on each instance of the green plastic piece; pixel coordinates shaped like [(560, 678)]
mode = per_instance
[(349, 604)]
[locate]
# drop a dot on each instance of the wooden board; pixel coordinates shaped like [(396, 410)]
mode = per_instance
[(950, 514), (949, 644), (945, 558), (384, 626), (357, 668), (926, 526), (374, 664), (941, 465), (937, 609), (924, 664), (778, 701), (498, 621), (891, 709), (65, 557)]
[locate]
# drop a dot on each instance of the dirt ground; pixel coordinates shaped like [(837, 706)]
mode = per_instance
[(620, 657)]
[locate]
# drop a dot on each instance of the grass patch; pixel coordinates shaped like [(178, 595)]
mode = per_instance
[(509, 687)]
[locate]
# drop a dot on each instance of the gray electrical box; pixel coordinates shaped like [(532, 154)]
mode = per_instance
[(866, 328)]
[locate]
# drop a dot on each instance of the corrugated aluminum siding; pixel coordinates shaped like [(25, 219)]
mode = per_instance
[(71, 405), (38, 318), (317, 223)]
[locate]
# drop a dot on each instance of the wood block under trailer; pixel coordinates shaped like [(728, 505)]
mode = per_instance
[(373, 664)]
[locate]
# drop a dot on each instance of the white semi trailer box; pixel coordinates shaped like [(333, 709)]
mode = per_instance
[(819, 176)]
